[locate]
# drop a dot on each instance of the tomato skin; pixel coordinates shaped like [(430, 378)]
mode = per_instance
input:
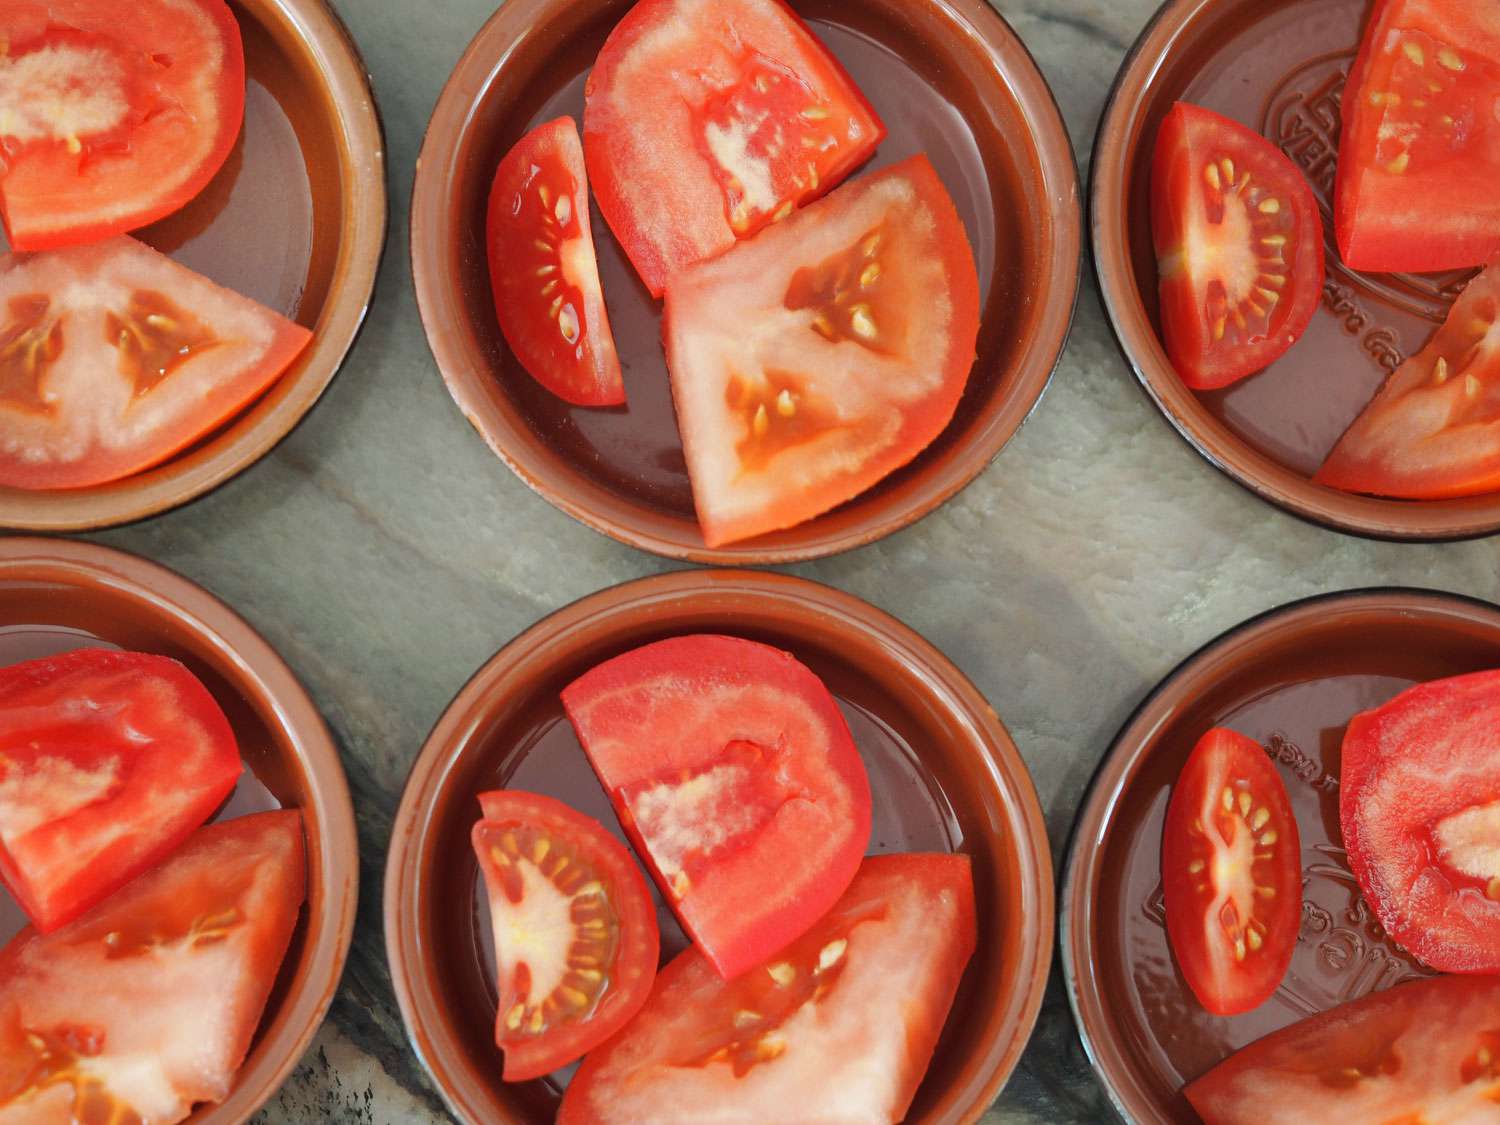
[(1197, 227), (1254, 843)]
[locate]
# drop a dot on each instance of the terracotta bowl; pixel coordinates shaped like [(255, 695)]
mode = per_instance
[(56, 596), (944, 773), (295, 219), (947, 76), (1291, 679), (1279, 67)]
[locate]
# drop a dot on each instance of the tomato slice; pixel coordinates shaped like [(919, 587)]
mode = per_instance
[(108, 760), (1433, 431), (576, 941), (708, 119), (106, 123), (543, 270), (113, 357), (1232, 874), (1239, 247), (1420, 150), (841, 1025), (147, 1004), (1425, 1051), (735, 776), (823, 354)]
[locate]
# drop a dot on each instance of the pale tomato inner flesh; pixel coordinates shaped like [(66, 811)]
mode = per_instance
[(1468, 841), (70, 89)]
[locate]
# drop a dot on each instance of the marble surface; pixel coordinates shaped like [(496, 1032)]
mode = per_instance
[(387, 553)]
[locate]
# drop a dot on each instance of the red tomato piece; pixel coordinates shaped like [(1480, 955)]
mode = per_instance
[(1239, 247), (840, 1026), (543, 270), (1419, 805), (1426, 1051), (108, 760), (734, 774), (823, 354), (708, 119), (1433, 431), (147, 1004), (110, 123), (113, 357), (576, 941), (1232, 874), (1420, 148)]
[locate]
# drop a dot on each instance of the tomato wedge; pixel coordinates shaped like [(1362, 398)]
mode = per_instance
[(576, 941), (147, 1004), (543, 270), (840, 1027), (1239, 247), (707, 119), (108, 760), (1420, 150), (110, 123), (823, 354), (113, 357), (1433, 431), (1232, 874), (1426, 1051), (1419, 804), (735, 777)]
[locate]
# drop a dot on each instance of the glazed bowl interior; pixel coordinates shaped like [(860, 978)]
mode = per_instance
[(1278, 66), (944, 777), (947, 76), (295, 219)]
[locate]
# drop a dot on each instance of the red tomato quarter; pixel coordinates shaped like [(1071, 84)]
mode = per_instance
[(1428, 1051), (1232, 873), (1239, 247), (1433, 431), (708, 119), (823, 354), (1420, 151), (576, 942), (735, 776), (839, 1027), (147, 1004), (1419, 804), (113, 357), (543, 270), (109, 120), (107, 761)]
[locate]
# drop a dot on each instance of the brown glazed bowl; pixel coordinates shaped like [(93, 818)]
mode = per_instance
[(1291, 679), (948, 77), (56, 596), (295, 219), (1278, 66), (944, 774)]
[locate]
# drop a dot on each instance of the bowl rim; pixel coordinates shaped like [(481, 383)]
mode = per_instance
[(1366, 516), (260, 427), (434, 260), (1122, 758), (453, 734)]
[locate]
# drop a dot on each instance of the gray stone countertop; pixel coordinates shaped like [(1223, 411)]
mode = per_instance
[(386, 553)]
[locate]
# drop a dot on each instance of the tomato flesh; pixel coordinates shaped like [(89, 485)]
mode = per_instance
[(1239, 247), (1419, 153), (840, 1025), (107, 124), (734, 774), (1231, 874), (576, 940)]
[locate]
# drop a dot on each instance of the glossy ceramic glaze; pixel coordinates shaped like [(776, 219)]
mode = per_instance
[(56, 596), (1290, 679), (295, 219), (944, 776), (947, 76)]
